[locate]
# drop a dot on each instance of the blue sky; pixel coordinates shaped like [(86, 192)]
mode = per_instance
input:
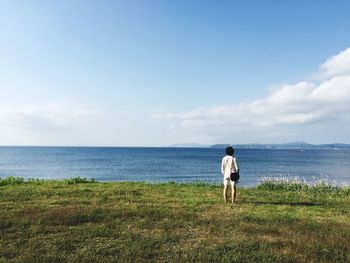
[(154, 73)]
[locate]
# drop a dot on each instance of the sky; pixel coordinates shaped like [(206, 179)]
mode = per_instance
[(158, 73)]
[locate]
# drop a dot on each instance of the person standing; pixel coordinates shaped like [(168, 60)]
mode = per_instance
[(229, 164)]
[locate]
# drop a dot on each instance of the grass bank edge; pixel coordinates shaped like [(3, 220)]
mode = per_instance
[(266, 183)]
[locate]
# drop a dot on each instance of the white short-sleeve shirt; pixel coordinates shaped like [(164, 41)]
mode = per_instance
[(226, 165)]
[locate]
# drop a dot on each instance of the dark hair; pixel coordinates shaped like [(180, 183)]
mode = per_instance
[(230, 151)]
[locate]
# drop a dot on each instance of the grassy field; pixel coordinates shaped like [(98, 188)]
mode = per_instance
[(71, 221)]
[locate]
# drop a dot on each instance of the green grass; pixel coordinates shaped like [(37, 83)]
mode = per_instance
[(86, 221)]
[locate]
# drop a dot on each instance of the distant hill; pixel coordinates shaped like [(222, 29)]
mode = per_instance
[(291, 145)]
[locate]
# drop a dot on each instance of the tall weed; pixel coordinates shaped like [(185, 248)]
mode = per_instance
[(284, 183)]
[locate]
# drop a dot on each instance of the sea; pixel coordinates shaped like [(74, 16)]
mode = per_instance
[(180, 165)]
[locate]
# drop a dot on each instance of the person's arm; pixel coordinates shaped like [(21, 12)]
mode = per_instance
[(236, 164), (223, 166)]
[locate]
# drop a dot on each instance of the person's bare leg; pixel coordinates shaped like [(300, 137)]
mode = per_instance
[(225, 193), (234, 194)]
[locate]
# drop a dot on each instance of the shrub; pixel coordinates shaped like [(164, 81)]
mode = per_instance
[(11, 180), (79, 180)]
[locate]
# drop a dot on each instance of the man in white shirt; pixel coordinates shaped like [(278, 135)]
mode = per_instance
[(228, 165)]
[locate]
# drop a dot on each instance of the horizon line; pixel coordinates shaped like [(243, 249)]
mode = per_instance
[(178, 145)]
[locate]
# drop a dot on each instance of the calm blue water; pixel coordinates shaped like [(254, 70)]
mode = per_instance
[(170, 164)]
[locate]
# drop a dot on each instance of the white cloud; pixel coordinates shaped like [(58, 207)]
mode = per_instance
[(289, 105), (54, 115), (337, 65)]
